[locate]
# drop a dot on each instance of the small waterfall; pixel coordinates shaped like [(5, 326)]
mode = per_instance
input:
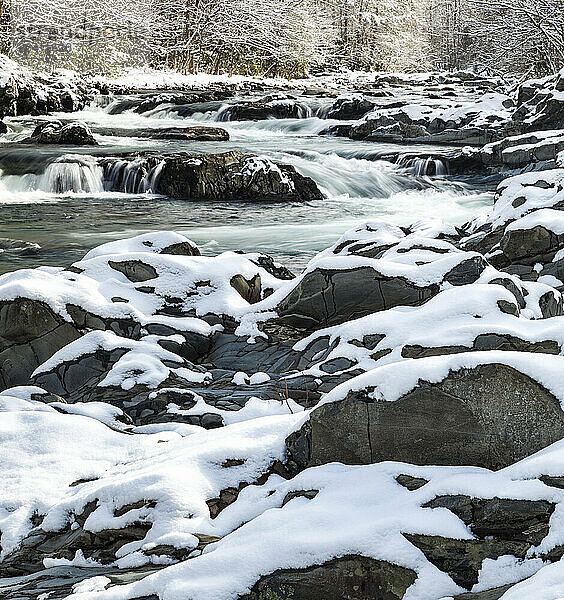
[(102, 101), (357, 178), (72, 173), (423, 166), (68, 174), (223, 114), (138, 176)]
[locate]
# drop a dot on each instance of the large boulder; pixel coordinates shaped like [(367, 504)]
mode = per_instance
[(489, 414), (227, 176), (55, 132), (451, 122), (270, 107), (362, 276), (329, 297)]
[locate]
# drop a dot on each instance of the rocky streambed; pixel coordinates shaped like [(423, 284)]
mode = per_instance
[(383, 422)]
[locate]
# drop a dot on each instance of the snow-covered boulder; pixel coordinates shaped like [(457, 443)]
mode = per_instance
[(358, 281), (444, 122), (488, 409), (541, 104), (523, 231), (30, 332), (25, 92)]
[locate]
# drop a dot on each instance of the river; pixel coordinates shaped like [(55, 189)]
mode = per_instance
[(52, 223)]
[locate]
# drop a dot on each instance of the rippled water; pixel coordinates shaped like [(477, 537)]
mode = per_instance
[(358, 182)]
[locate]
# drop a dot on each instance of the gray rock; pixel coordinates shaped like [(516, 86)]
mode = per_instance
[(525, 246), (30, 333), (325, 297), (230, 175), (135, 270), (265, 108), (346, 578), (462, 559), (489, 416), (411, 483), (197, 133), (54, 132), (502, 518), (493, 594), (350, 108)]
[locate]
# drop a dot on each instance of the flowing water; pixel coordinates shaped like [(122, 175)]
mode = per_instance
[(56, 202)]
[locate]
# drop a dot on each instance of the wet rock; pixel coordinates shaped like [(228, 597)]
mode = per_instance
[(490, 416), (269, 107), (350, 107), (394, 132), (20, 247), (54, 132), (337, 130), (230, 175), (148, 102), (350, 577), (193, 134)]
